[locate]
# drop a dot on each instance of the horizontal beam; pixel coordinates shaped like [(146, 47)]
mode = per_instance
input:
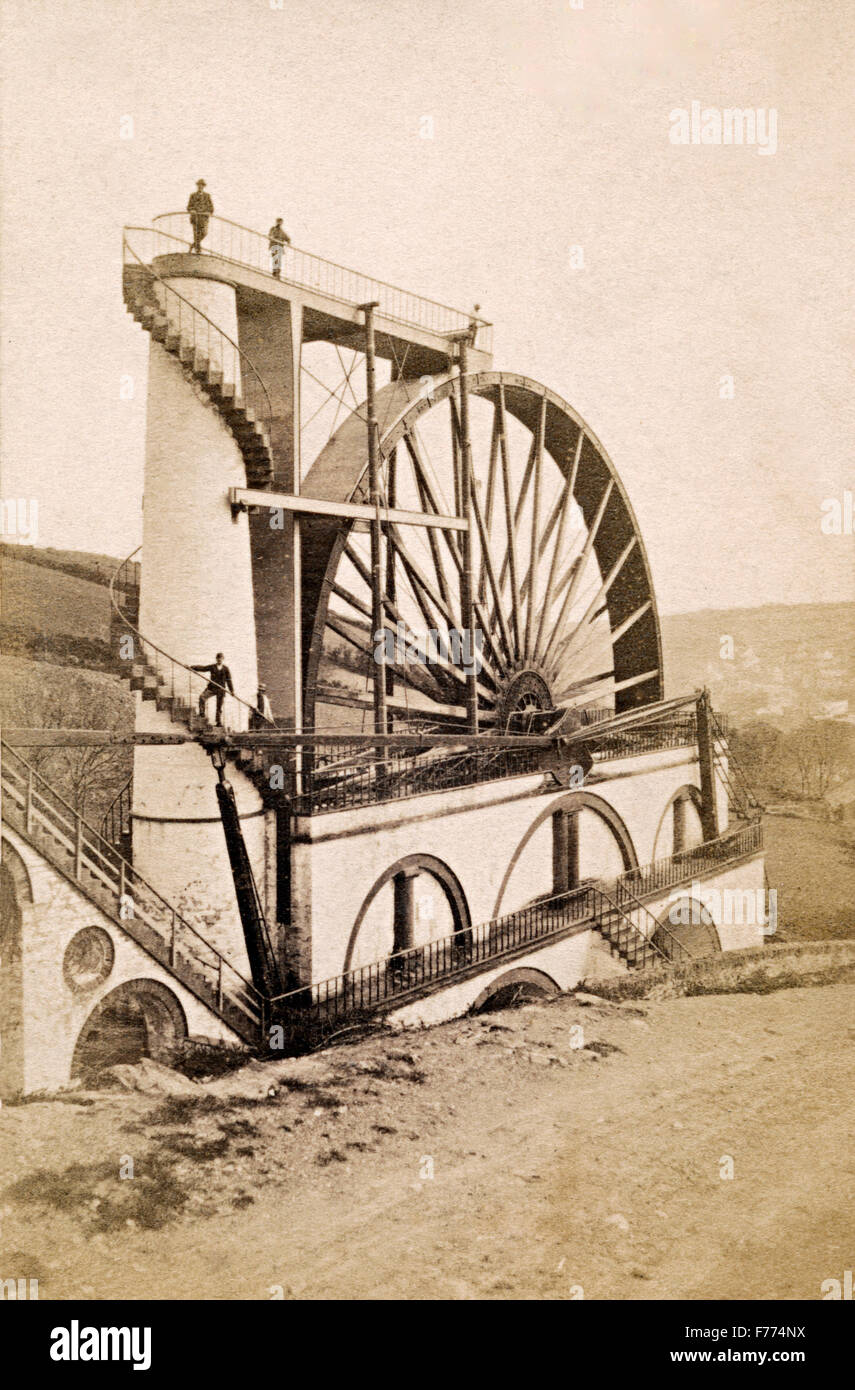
[(242, 498)]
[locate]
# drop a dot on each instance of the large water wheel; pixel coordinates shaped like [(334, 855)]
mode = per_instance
[(564, 603)]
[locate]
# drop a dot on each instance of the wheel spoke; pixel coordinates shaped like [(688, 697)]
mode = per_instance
[(535, 528), (576, 573), (562, 510), (590, 612)]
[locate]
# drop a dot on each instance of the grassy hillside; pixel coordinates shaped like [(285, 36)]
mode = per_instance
[(781, 663)]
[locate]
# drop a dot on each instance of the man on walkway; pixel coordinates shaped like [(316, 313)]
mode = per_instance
[(262, 715), (200, 208), (219, 681), (278, 239)]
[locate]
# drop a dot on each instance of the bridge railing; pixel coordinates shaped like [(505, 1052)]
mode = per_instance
[(233, 242), (76, 848)]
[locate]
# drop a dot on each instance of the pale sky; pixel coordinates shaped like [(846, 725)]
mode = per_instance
[(551, 129)]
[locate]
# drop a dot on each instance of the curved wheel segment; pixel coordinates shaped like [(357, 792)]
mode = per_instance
[(564, 610)]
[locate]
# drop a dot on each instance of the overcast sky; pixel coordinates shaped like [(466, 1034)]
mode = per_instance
[(551, 131)]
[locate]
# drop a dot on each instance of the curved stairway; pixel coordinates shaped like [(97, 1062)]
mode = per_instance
[(175, 686), (216, 363)]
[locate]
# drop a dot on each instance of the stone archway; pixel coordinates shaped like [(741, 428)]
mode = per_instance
[(680, 825), (514, 987), (569, 861), (688, 924), (140, 1018), (16, 896), (416, 900)]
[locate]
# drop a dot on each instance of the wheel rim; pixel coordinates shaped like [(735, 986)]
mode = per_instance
[(564, 602)]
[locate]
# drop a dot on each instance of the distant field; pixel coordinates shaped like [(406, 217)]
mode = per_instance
[(811, 865), (42, 600)]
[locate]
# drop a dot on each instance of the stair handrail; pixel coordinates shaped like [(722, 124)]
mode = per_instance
[(173, 660), (245, 361), (738, 784), (107, 852), (335, 273), (622, 891), (109, 815)]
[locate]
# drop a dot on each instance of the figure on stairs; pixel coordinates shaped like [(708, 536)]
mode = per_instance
[(200, 208), (219, 681), (262, 715)]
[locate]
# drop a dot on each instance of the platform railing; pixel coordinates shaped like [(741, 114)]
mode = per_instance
[(31, 806), (232, 241)]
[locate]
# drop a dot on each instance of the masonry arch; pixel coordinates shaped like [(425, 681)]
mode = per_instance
[(16, 895), (686, 923), (578, 836), (139, 1018), (513, 987), (418, 899), (680, 825)]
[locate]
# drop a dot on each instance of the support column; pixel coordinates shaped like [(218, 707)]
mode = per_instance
[(565, 851), (271, 333), (466, 578), (404, 911), (706, 764), (679, 832), (375, 498)]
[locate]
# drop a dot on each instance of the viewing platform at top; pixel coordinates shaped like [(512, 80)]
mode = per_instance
[(416, 334)]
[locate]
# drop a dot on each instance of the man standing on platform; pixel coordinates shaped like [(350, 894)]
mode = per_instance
[(200, 208), (278, 239)]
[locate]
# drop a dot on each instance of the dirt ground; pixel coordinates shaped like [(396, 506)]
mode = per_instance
[(555, 1151)]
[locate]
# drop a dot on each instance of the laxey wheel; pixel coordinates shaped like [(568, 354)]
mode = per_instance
[(564, 610)]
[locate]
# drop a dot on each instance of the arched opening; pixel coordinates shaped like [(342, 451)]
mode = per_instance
[(15, 895), (140, 1018), (579, 838), (416, 901), (680, 827), (514, 988), (688, 924)]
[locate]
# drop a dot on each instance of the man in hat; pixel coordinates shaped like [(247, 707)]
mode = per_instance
[(278, 239), (200, 208), (219, 681), (262, 715)]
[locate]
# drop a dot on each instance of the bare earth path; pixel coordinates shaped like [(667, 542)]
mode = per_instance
[(556, 1169)]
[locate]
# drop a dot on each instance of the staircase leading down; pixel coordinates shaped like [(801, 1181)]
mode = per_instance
[(77, 851)]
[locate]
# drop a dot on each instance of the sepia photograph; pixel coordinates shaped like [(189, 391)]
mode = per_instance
[(428, 667)]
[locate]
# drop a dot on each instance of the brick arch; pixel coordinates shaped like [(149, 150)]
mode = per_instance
[(429, 864), (535, 979), (573, 801)]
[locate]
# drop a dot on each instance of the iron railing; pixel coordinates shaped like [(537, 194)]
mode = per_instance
[(686, 864), (116, 824), (172, 681), (202, 342), (615, 909), (231, 241), (77, 850)]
